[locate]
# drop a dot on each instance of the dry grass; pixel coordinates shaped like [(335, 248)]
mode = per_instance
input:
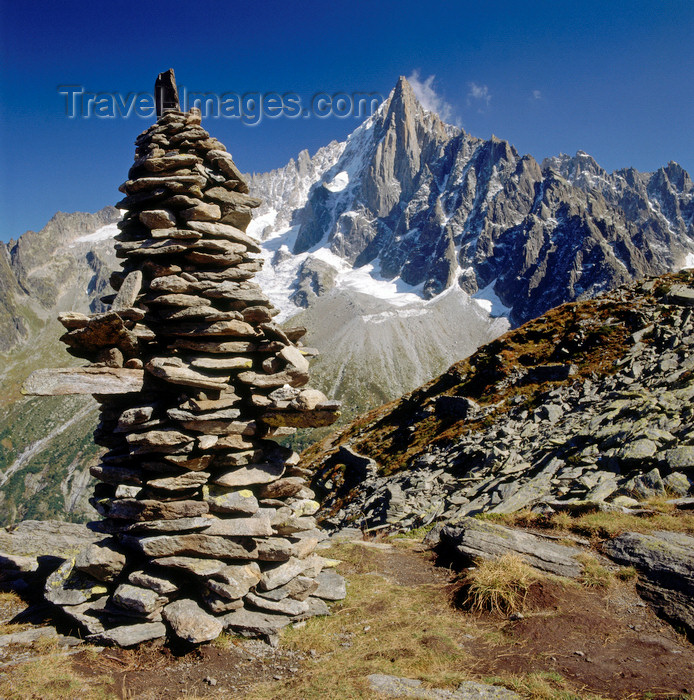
[(380, 627), (51, 677), (595, 575), (600, 525), (500, 585)]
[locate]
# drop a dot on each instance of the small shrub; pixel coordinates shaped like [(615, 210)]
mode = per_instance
[(500, 585)]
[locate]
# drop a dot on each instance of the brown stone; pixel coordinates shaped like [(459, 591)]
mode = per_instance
[(202, 212), (174, 371), (157, 219), (226, 231), (248, 476), (193, 545), (191, 623)]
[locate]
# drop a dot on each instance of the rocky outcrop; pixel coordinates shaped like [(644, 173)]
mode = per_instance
[(204, 513), (665, 562), (475, 539), (431, 206)]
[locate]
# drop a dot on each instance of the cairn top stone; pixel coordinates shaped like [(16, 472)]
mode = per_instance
[(166, 92)]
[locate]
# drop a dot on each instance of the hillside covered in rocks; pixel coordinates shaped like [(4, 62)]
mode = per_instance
[(590, 403)]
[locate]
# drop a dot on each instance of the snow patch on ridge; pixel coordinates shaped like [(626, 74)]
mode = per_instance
[(101, 234), (490, 302), (338, 183)]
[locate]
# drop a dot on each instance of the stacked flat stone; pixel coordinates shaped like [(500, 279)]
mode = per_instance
[(209, 522)]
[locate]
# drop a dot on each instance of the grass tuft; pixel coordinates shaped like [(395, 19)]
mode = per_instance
[(500, 585), (594, 575)]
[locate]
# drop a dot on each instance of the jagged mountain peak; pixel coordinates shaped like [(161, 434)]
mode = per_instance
[(429, 206)]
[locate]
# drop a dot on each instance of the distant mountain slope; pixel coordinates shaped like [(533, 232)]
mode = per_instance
[(46, 446), (402, 249)]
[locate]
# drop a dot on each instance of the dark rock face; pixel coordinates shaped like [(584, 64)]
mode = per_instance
[(665, 561), (435, 206), (166, 92)]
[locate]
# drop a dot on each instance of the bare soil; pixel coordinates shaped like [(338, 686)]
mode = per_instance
[(603, 641)]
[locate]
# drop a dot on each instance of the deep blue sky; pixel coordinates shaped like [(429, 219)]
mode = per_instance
[(612, 78)]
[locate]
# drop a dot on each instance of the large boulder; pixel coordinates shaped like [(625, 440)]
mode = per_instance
[(665, 562)]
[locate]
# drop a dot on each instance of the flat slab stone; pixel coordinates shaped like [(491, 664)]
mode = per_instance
[(132, 509), (280, 574), (394, 687), (174, 371), (158, 583), (234, 581), (193, 545), (221, 500), (193, 565), (83, 380), (247, 476), (32, 538), (130, 635), (239, 527), (479, 539), (141, 600), (285, 606), (331, 586), (251, 623)]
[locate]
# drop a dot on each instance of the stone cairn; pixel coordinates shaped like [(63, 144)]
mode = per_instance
[(207, 522)]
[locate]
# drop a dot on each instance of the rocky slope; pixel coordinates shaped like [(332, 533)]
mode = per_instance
[(590, 403)]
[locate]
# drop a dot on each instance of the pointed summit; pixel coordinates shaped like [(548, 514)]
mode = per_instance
[(403, 101)]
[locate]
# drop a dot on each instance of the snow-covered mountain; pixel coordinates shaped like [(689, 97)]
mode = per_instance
[(408, 204)]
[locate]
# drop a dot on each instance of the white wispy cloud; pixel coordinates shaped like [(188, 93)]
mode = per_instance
[(537, 95), (480, 95), (428, 97)]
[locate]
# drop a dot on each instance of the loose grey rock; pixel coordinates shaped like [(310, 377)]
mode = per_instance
[(130, 635), (68, 587), (137, 599), (252, 623), (395, 687), (191, 623), (102, 561), (473, 539), (665, 561), (331, 586)]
